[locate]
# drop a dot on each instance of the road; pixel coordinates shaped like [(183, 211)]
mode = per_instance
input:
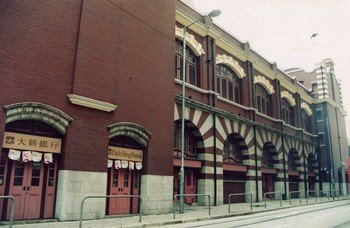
[(334, 214)]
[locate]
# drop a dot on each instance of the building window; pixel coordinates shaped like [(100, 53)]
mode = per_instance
[(305, 121), (192, 75), (190, 149), (232, 150), (267, 160), (291, 161), (287, 112), (263, 99), (228, 83)]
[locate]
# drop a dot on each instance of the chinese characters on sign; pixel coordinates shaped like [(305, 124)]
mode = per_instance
[(31, 142)]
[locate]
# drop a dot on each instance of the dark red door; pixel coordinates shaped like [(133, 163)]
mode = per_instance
[(33, 190), (26, 184), (18, 185), (311, 183), (135, 191), (268, 184), (3, 173), (190, 186), (119, 185), (51, 175)]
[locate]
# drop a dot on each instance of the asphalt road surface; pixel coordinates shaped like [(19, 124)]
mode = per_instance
[(334, 214)]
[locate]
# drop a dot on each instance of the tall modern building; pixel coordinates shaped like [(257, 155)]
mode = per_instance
[(330, 121), (91, 104)]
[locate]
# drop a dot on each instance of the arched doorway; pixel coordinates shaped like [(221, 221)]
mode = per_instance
[(234, 170), (123, 174), (127, 144), (268, 169), (193, 145), (293, 173), (28, 168), (311, 174)]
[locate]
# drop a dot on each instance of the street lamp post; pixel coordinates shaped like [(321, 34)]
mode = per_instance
[(213, 13)]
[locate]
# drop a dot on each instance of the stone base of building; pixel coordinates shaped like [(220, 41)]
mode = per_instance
[(72, 187), (156, 194)]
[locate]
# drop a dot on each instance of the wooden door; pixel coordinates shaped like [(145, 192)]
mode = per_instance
[(190, 186), (268, 184), (234, 186), (3, 174), (311, 183), (26, 185), (49, 203), (119, 185), (135, 191), (18, 185), (33, 190)]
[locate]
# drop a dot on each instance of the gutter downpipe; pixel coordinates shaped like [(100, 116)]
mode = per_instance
[(212, 61), (251, 73), (283, 150)]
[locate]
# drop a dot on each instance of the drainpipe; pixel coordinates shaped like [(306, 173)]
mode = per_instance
[(212, 63), (252, 90), (305, 183), (283, 150)]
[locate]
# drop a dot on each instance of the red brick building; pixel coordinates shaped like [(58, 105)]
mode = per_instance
[(92, 106), (90, 74)]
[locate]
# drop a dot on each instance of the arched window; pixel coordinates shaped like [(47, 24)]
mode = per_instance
[(190, 141), (267, 160), (305, 121), (228, 83), (263, 99), (311, 162), (292, 160), (287, 112), (192, 75), (232, 150)]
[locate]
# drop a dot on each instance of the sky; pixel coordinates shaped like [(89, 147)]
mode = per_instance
[(281, 30)]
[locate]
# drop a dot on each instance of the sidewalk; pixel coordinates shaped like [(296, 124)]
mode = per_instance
[(192, 213)]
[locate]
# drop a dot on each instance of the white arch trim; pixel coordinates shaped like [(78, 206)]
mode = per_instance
[(289, 97), (233, 64), (191, 41), (307, 108), (264, 82)]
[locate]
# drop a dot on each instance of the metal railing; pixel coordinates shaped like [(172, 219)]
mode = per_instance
[(336, 191), (321, 194), (184, 195), (272, 193), (239, 194), (308, 194), (12, 208), (290, 196), (105, 197)]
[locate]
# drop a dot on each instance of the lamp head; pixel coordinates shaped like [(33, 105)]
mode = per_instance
[(214, 13)]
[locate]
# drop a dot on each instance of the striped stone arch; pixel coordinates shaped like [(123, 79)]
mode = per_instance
[(293, 153), (202, 120), (40, 112), (196, 133), (264, 136), (132, 130), (290, 143), (310, 151)]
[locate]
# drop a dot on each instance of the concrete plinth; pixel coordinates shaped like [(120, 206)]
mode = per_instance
[(156, 194), (72, 187)]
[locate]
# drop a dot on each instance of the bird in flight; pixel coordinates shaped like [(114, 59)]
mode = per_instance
[(314, 35)]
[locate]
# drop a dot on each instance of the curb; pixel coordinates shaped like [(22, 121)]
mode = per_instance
[(234, 214)]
